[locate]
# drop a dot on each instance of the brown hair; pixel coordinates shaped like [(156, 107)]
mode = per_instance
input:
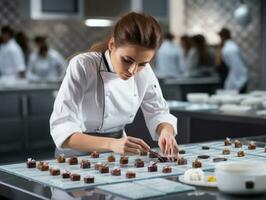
[(199, 42), (186, 44), (134, 28)]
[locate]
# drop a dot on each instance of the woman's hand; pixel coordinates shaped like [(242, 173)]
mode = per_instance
[(167, 142), (129, 145)]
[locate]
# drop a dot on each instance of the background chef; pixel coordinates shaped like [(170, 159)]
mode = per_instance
[(46, 64), (103, 89), (12, 63)]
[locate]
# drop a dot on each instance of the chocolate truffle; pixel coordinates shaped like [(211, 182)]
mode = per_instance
[(31, 163), (43, 166), (98, 165), (88, 179), (123, 160), (95, 154), (196, 164), (153, 154), (116, 171), (74, 177), (152, 167), (167, 169), (252, 145), (240, 154), (130, 174), (65, 174), (104, 169), (139, 163), (182, 151), (226, 151), (61, 158), (238, 144), (182, 161), (73, 161), (84, 164), (54, 171), (227, 142), (111, 158)]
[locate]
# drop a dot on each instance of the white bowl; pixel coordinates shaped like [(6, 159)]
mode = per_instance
[(226, 92), (197, 97), (254, 102), (246, 177)]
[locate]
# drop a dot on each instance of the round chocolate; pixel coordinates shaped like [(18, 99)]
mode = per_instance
[(219, 159), (203, 156), (205, 147)]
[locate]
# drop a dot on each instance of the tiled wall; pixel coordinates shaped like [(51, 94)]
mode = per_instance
[(69, 37), (208, 16)]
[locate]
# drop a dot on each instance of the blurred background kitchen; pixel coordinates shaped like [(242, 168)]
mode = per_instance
[(211, 65)]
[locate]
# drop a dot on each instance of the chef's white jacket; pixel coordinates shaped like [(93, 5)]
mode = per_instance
[(51, 67), (82, 106), (11, 59), (167, 60), (238, 72)]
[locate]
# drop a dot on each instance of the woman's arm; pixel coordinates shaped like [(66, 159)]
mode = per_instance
[(87, 143)]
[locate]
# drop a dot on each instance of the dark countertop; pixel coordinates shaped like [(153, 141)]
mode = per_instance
[(27, 86), (210, 113), (190, 80), (18, 188)]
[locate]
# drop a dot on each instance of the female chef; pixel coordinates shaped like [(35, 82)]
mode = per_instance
[(103, 89)]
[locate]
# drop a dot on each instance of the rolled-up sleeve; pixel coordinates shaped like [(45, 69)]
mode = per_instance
[(155, 108), (65, 119)]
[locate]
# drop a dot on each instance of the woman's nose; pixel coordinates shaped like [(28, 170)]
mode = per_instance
[(133, 69)]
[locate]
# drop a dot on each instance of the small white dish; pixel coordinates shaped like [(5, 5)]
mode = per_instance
[(203, 183)]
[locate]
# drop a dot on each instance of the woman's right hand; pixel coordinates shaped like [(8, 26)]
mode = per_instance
[(129, 145)]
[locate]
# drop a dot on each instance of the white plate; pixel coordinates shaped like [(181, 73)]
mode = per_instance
[(204, 183)]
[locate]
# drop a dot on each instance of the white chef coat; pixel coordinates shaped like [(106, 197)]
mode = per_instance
[(238, 72), (51, 67), (167, 60), (11, 59), (82, 106)]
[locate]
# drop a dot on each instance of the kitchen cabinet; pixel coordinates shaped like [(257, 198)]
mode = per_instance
[(24, 117)]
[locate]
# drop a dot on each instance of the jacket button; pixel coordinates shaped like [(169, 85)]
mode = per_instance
[(107, 94)]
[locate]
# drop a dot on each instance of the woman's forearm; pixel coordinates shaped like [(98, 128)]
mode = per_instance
[(164, 127), (87, 143)]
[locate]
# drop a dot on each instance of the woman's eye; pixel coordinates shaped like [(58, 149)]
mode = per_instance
[(127, 61)]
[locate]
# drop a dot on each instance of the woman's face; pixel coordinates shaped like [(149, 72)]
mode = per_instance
[(129, 59)]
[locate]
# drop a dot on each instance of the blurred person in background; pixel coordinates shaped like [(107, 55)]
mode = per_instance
[(12, 63), (187, 56), (23, 42), (46, 64), (237, 77), (168, 58), (203, 56)]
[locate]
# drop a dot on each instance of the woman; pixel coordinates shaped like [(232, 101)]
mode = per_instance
[(47, 64), (104, 88)]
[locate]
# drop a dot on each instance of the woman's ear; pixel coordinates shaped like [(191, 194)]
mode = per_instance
[(111, 44)]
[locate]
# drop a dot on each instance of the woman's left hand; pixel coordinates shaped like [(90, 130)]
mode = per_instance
[(167, 142)]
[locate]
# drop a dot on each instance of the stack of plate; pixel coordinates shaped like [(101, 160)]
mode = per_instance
[(254, 102), (235, 109), (198, 97)]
